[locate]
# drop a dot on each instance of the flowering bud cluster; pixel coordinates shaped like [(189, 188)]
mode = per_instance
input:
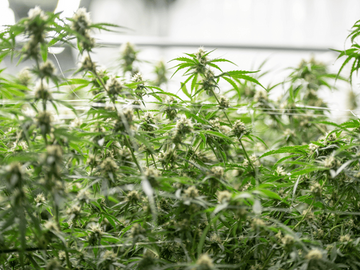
[(223, 103), (42, 91), (43, 121), (35, 27), (168, 157), (81, 23), (209, 82), (128, 56), (114, 87), (170, 111), (239, 128)]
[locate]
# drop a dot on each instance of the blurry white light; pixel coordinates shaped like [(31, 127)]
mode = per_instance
[(68, 7), (7, 16), (56, 50)]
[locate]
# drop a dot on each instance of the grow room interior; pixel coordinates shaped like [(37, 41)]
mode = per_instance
[(247, 32), (179, 134)]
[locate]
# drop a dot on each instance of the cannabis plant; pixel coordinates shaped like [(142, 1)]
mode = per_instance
[(137, 177)]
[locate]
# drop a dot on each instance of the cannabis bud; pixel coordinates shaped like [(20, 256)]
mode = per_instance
[(191, 192), (183, 125), (114, 87), (239, 128), (314, 254), (81, 21), (223, 103), (24, 77), (43, 121), (223, 196), (87, 64), (204, 262), (42, 91), (47, 69), (133, 196)]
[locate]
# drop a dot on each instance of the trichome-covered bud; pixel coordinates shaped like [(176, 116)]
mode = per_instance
[(81, 21), (191, 192), (128, 55), (25, 77), (87, 42), (114, 86), (35, 12), (42, 91), (47, 69), (204, 262), (224, 196), (43, 121), (215, 123), (51, 225), (239, 129), (87, 64), (170, 110), (74, 210), (40, 199), (137, 78), (315, 188), (108, 166), (288, 132), (260, 96), (149, 123), (287, 240), (345, 238), (314, 254), (209, 82), (83, 195), (313, 147), (133, 196), (201, 56), (183, 125), (330, 162), (280, 171), (223, 103), (217, 171), (257, 223), (95, 234)]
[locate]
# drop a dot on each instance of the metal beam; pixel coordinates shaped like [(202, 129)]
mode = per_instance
[(117, 40)]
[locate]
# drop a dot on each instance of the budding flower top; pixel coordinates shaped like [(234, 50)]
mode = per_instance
[(205, 262), (223, 196), (47, 69), (137, 77), (114, 86), (87, 64), (35, 12), (314, 254), (81, 20), (200, 55), (42, 91)]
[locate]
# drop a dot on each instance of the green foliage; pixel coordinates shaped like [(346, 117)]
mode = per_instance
[(219, 177)]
